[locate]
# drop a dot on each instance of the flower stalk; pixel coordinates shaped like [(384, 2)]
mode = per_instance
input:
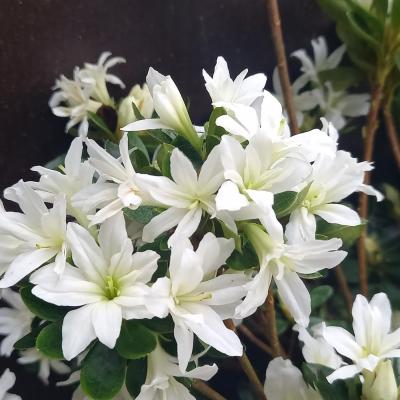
[(270, 324), (206, 390), (392, 132)]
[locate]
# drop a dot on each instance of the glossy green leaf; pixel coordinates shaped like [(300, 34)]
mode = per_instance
[(286, 202), (103, 373), (135, 340), (143, 214), (29, 340), (159, 325), (99, 123), (320, 295), (136, 376), (243, 260), (136, 112), (163, 158), (134, 141), (41, 308), (348, 234), (395, 16), (49, 341), (212, 128)]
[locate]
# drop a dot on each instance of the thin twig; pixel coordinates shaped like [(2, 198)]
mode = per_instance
[(206, 390), (271, 329), (279, 45), (392, 133), (369, 140), (254, 339), (248, 368), (344, 287)]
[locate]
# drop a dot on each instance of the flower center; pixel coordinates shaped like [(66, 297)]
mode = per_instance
[(111, 288), (192, 298)]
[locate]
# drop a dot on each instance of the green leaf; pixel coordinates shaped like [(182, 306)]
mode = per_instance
[(49, 341), (395, 15), (163, 158), (359, 29), (103, 373), (380, 7), (136, 111), (143, 214), (243, 260), (135, 340), (28, 341), (134, 141), (286, 202), (136, 376), (341, 78), (100, 124), (211, 142), (212, 128), (41, 308), (349, 234), (336, 9), (112, 148), (320, 295), (159, 325), (397, 57), (56, 162)]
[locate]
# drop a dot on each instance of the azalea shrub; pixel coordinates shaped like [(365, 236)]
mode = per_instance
[(155, 252)]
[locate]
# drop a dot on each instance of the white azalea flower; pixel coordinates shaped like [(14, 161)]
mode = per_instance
[(332, 180), (75, 176), (170, 108), (303, 102), (372, 341), (33, 237), (15, 321), (284, 262), (187, 196), (108, 284), (242, 90), (316, 350), (72, 99), (254, 174), (97, 76), (160, 381), (140, 95), (322, 61), (7, 381), (197, 299), (120, 186), (284, 381), (46, 364)]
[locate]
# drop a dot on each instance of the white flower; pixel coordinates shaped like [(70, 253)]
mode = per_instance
[(316, 350), (242, 90), (15, 321), (322, 61), (144, 102), (72, 99), (187, 196), (380, 384), (75, 176), (332, 180), (32, 238), (7, 381), (108, 284), (284, 262), (254, 174), (160, 381), (372, 341), (283, 381), (120, 186), (96, 75), (46, 364), (305, 101), (336, 105), (170, 108), (197, 299)]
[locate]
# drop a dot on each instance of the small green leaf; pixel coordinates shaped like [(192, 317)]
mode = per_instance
[(341, 78), (320, 295), (211, 142), (49, 341), (135, 340), (28, 341), (143, 214), (134, 141), (163, 158), (159, 325), (41, 308), (243, 260), (136, 376), (395, 15), (136, 111), (213, 129), (103, 373), (99, 123), (349, 234), (286, 202), (380, 7), (360, 30)]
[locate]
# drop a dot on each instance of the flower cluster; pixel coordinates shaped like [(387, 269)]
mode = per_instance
[(139, 251)]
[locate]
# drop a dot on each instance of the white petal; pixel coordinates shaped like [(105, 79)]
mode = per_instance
[(345, 372), (182, 171), (107, 319), (184, 339), (229, 197), (145, 124), (343, 342), (338, 214), (301, 226), (112, 235), (187, 225)]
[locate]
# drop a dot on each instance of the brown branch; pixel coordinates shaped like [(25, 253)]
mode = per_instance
[(248, 368), (392, 133), (369, 140), (206, 390), (344, 287), (254, 339), (279, 45), (270, 324)]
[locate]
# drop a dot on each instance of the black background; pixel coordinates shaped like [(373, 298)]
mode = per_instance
[(40, 39)]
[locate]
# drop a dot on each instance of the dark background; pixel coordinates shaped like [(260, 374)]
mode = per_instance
[(41, 39)]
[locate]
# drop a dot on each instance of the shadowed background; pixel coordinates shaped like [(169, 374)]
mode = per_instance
[(41, 39)]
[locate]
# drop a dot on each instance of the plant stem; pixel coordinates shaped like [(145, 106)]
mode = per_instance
[(279, 45), (391, 132), (206, 390), (248, 368), (254, 339), (344, 287), (369, 140), (272, 332)]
